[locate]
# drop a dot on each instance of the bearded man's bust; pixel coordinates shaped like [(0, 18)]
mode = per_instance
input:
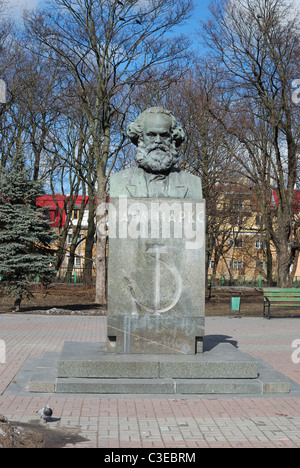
[(157, 136)]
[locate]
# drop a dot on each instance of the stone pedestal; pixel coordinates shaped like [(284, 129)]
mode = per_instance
[(156, 276), (86, 368)]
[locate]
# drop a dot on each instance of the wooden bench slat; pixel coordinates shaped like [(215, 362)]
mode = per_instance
[(287, 304), (287, 293), (280, 297), (281, 289)]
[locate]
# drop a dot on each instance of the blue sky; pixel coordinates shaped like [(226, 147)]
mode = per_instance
[(17, 6), (200, 10), (189, 28)]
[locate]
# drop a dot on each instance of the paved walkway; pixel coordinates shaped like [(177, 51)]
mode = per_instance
[(158, 421)]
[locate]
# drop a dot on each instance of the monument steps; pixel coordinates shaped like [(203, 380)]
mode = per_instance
[(159, 386), (225, 370), (87, 360)]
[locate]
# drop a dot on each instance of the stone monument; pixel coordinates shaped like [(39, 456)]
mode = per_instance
[(156, 282), (156, 290)]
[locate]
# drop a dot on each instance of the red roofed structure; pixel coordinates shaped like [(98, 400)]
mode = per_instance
[(296, 200), (57, 204), (48, 201)]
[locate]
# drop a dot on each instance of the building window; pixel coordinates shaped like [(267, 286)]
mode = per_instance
[(235, 265), (258, 220), (237, 242), (70, 238), (75, 214), (258, 243), (77, 261), (236, 205), (260, 265)]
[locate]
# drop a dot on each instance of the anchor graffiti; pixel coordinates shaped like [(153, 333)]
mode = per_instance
[(156, 251)]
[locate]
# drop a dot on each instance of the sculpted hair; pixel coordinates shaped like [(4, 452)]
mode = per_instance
[(135, 129)]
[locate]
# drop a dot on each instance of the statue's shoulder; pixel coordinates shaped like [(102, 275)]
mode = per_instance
[(125, 174), (120, 180), (193, 183), (188, 176)]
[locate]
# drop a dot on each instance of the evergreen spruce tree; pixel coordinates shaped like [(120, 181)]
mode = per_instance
[(25, 235)]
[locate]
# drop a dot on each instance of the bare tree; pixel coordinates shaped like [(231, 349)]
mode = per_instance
[(206, 152), (105, 48), (256, 43)]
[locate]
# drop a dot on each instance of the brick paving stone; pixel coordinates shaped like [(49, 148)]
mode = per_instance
[(154, 421)]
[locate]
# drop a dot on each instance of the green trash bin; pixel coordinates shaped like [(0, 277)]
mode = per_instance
[(235, 306)]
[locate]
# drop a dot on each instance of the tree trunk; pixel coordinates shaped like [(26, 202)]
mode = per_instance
[(269, 264), (101, 213), (295, 264), (283, 266), (101, 271), (17, 304), (90, 240)]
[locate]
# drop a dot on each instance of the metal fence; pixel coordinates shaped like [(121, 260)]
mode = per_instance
[(244, 280), (65, 276), (77, 276)]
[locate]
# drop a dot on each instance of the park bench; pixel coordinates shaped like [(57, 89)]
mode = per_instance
[(280, 297)]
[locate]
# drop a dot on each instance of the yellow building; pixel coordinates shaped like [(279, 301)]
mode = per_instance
[(237, 242)]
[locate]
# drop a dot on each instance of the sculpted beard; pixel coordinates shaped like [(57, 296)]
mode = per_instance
[(156, 158)]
